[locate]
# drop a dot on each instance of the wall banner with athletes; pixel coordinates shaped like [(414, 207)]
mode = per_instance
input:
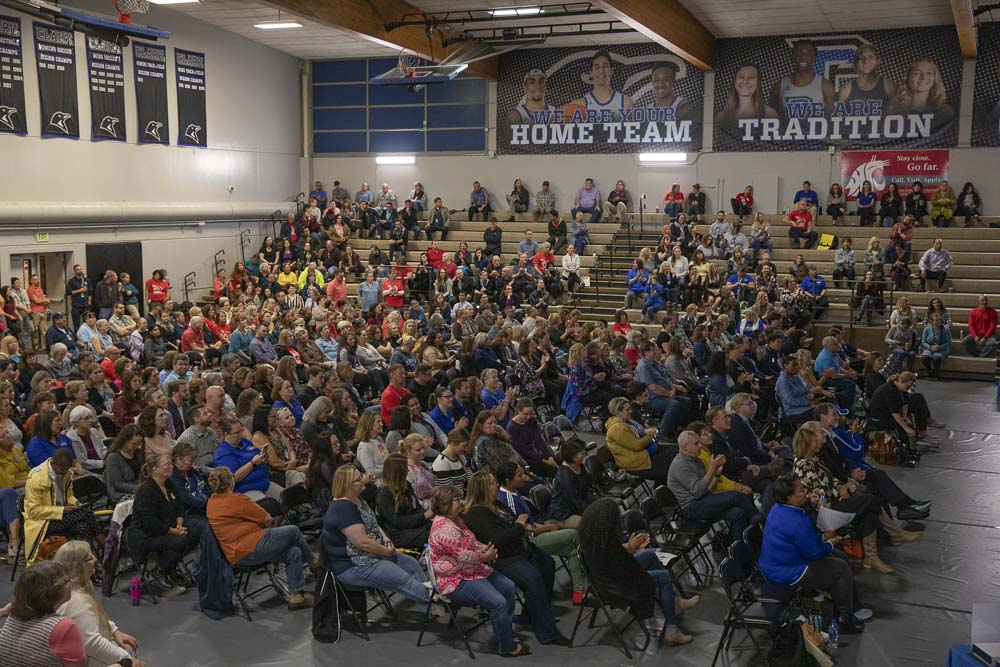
[(869, 89), (628, 98), (106, 68), (12, 114), (986, 108), (191, 117), (55, 54), (882, 168), (150, 65)]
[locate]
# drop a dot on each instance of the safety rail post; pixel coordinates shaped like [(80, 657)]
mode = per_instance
[(189, 284), (245, 241), (218, 263)]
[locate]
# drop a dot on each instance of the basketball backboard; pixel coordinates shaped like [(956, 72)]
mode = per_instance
[(418, 75)]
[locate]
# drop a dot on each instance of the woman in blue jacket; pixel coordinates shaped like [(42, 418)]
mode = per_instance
[(935, 345), (654, 301), (720, 384), (795, 554)]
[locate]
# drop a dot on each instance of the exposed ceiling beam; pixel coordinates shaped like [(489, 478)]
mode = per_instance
[(361, 17), (669, 24), (966, 26)]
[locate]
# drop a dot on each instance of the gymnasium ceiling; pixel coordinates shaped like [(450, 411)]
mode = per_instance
[(722, 18)]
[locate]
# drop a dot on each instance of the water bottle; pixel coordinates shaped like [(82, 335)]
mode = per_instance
[(833, 634), (135, 590), (822, 498)]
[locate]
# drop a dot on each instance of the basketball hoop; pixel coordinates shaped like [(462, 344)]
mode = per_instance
[(408, 64), (128, 7)]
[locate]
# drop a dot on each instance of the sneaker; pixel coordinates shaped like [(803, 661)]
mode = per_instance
[(165, 589), (933, 423), (674, 637), (863, 614), (305, 603), (921, 505), (911, 514)]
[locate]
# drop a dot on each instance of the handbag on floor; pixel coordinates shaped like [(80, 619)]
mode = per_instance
[(883, 448)]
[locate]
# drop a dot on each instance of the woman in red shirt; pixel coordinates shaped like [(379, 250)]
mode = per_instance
[(673, 201), (621, 327), (157, 287), (743, 202)]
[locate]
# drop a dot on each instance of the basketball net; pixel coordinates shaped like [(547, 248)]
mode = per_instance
[(408, 64), (128, 7)]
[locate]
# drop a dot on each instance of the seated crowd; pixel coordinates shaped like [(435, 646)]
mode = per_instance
[(413, 415)]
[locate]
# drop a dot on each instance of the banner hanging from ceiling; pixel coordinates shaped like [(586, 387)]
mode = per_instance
[(55, 55), (192, 122), (869, 89), (626, 98), (150, 65), (13, 119), (106, 72), (986, 107)]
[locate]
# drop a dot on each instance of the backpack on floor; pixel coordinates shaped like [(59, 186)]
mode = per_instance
[(789, 648)]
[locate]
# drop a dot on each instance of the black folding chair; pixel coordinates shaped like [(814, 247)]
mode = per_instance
[(746, 613), (450, 606), (300, 510), (142, 562), (624, 492), (343, 591), (242, 577), (596, 601), (681, 546)]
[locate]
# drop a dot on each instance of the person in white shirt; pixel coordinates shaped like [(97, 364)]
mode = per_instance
[(934, 264), (571, 269)]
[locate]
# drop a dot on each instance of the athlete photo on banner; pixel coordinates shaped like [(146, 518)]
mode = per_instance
[(55, 56), (986, 106), (622, 99), (106, 74), (886, 88), (12, 116)]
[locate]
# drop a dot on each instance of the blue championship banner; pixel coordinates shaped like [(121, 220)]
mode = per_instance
[(627, 98)]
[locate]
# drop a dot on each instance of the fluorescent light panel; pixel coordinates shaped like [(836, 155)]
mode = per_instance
[(277, 25), (395, 159), (652, 158), (516, 11), (173, 2)]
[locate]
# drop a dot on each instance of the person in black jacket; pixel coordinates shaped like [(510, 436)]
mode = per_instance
[(777, 458), (629, 572), (158, 523), (737, 467), (531, 569), (191, 487), (493, 239), (572, 492), (400, 513)]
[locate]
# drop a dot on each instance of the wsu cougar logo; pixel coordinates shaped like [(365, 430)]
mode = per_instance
[(869, 171)]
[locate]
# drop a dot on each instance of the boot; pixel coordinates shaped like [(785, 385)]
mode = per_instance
[(897, 534), (871, 555)]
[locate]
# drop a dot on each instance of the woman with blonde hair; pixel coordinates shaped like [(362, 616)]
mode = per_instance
[(104, 642), (372, 451), (923, 91)]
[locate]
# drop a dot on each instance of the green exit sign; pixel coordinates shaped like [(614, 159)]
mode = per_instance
[(41, 237)]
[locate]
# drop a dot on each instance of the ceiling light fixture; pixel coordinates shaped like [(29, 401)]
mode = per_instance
[(278, 25), (395, 159), (516, 11), (654, 158), (174, 2)]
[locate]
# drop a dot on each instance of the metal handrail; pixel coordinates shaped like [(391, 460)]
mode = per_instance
[(218, 263), (189, 284), (245, 241)]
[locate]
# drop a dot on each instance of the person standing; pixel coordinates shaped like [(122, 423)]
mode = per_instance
[(22, 306), (78, 289), (39, 311), (106, 295)]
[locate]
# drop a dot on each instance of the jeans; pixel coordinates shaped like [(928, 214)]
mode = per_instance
[(283, 543), (735, 507), (595, 213), (535, 575), (496, 595), (903, 357), (8, 507), (671, 411), (845, 390), (565, 543), (401, 574), (105, 313), (939, 276), (759, 245), (436, 227), (933, 360), (797, 236), (580, 242), (649, 561), (989, 346), (673, 209)]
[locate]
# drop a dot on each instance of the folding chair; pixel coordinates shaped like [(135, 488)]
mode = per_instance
[(678, 545), (747, 614), (595, 601), (242, 575), (343, 591), (450, 606), (144, 568), (300, 510), (624, 492)]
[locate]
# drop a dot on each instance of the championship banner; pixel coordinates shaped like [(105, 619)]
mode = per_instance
[(904, 168), (986, 108), (191, 117), (628, 98), (106, 71), (150, 64), (12, 116), (55, 55), (886, 88)]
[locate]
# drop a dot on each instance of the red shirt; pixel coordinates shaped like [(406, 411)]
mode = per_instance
[(542, 260), (109, 369), (391, 399), (800, 219), (450, 269), (434, 256), (397, 300), (156, 290), (982, 322), (674, 196), (192, 338), (336, 291), (745, 199), (621, 328)]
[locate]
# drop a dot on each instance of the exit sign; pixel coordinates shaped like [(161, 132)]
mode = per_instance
[(41, 237)]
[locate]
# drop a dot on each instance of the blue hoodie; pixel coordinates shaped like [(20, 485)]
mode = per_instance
[(791, 542)]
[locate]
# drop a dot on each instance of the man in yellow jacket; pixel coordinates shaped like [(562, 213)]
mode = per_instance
[(51, 507)]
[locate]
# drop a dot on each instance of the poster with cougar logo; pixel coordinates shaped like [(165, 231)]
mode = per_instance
[(55, 55), (881, 169), (106, 74), (868, 89), (150, 66), (12, 117), (191, 116), (627, 98)]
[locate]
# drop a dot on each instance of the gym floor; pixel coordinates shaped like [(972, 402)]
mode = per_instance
[(920, 611)]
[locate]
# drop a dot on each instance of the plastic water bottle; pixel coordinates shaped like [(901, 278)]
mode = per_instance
[(135, 590), (822, 498), (833, 634)]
